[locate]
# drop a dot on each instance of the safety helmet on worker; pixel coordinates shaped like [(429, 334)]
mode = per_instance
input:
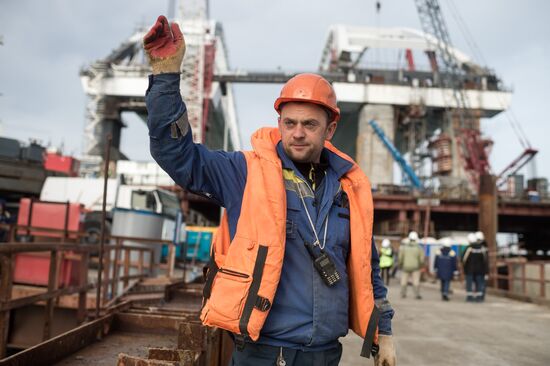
[(309, 88), (386, 243), (446, 242), (413, 236), (479, 236), (472, 239)]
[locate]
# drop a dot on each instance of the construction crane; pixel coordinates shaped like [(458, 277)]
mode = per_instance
[(518, 163), (405, 167), (473, 148)]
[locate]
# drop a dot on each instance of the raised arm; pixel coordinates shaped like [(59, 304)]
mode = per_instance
[(218, 175)]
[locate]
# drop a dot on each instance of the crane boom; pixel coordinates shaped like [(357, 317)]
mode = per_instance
[(474, 156), (406, 168), (516, 165)]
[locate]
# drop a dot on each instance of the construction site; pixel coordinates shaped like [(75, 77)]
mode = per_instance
[(102, 258)]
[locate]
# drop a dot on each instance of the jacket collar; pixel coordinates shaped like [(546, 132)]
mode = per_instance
[(266, 142)]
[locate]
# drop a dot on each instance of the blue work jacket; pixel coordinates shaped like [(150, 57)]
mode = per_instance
[(306, 314), (445, 264)]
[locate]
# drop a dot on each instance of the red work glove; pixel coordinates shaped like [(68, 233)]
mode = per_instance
[(164, 46)]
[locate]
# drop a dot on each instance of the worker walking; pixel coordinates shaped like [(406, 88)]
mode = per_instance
[(475, 261), (411, 261), (445, 266), (386, 261), (480, 238), (293, 264)]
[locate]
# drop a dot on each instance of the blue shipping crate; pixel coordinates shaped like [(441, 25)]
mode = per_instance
[(179, 249), (198, 245)]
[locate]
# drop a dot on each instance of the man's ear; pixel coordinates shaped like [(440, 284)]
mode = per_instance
[(331, 128)]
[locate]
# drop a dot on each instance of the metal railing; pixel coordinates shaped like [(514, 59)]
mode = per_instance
[(524, 279), (117, 265)]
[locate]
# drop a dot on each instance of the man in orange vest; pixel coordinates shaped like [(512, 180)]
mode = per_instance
[(293, 264)]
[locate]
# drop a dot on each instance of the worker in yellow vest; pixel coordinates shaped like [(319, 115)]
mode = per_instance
[(386, 261)]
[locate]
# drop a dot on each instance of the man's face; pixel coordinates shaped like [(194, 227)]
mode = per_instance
[(304, 128)]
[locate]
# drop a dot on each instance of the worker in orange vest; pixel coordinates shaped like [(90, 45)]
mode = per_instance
[(293, 264)]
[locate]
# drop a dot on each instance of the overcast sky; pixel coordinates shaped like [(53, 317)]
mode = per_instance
[(45, 43)]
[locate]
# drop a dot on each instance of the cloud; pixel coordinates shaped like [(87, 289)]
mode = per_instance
[(47, 42)]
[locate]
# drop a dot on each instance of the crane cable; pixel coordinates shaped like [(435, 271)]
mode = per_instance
[(510, 116)]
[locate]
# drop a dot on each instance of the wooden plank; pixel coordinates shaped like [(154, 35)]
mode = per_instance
[(140, 262), (126, 266), (83, 282), (105, 283), (152, 264), (142, 240), (52, 286), (55, 349), (171, 259), (44, 296), (115, 275), (6, 277), (7, 248)]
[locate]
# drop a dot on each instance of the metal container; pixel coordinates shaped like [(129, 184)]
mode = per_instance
[(140, 224), (9, 148), (540, 185), (515, 185), (33, 152)]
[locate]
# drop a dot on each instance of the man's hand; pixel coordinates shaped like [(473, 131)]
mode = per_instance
[(164, 46), (386, 351)]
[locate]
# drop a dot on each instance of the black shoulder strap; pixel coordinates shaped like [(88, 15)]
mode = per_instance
[(254, 288), (212, 271), (368, 342)]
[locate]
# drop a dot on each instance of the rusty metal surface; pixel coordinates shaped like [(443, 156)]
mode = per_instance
[(106, 351), (53, 350), (159, 316), (181, 357), (147, 323), (127, 360), (27, 324), (193, 337)]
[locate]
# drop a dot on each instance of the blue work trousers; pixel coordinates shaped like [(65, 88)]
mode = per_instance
[(445, 284), (264, 355), (477, 280)]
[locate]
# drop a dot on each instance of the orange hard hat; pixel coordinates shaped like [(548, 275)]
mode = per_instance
[(310, 88)]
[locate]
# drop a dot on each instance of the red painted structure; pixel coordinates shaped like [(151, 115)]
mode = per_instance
[(49, 215), (33, 268), (63, 164)]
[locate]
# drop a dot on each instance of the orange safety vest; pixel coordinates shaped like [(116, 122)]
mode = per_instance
[(244, 273)]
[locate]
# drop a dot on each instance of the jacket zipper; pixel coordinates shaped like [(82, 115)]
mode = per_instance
[(233, 273)]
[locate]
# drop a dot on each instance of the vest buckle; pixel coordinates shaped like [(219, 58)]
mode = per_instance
[(262, 303), (239, 342)]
